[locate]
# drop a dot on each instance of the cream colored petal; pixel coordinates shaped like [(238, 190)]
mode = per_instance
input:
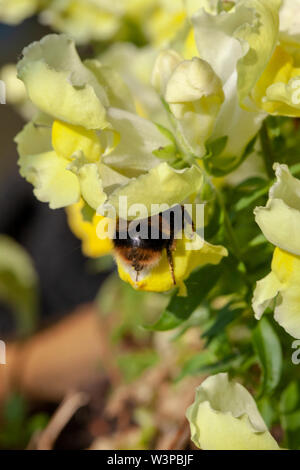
[(85, 20), (164, 66), (89, 178), (137, 77), (60, 85), (195, 95), (161, 185), (52, 182), (224, 416), (91, 185), (286, 188), (264, 294), (117, 91), (15, 11), (33, 139), (290, 20), (138, 139), (280, 224)]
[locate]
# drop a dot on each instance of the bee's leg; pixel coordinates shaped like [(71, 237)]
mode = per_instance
[(137, 276), (171, 264)]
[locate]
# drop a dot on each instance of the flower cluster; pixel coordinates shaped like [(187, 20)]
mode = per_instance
[(157, 125), (87, 142)]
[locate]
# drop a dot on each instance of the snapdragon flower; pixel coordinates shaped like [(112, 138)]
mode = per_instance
[(279, 221), (224, 416)]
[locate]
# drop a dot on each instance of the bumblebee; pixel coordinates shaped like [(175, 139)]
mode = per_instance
[(140, 244)]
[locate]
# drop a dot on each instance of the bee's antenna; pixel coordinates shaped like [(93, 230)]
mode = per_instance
[(171, 264)]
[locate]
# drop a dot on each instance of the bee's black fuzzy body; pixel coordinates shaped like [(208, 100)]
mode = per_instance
[(144, 248)]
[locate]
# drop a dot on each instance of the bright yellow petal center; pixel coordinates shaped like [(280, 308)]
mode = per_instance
[(68, 139), (280, 69), (286, 266)]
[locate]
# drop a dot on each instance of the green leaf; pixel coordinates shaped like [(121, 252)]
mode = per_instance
[(218, 165), (205, 363), (268, 411), (199, 284), (290, 398), (18, 284), (225, 316), (197, 363), (167, 321), (246, 201), (289, 407), (268, 349)]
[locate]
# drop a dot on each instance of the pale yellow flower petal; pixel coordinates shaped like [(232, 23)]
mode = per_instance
[(242, 39), (195, 95), (161, 185), (137, 77), (138, 139), (15, 11), (91, 185), (117, 91), (280, 224), (264, 294), (280, 219), (43, 168), (60, 85), (164, 66), (52, 181), (290, 20), (85, 20), (33, 139), (224, 416)]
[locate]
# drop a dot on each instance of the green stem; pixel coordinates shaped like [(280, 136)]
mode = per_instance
[(267, 151), (229, 230), (228, 226)]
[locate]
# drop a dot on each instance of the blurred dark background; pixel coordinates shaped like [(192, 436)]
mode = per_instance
[(66, 279)]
